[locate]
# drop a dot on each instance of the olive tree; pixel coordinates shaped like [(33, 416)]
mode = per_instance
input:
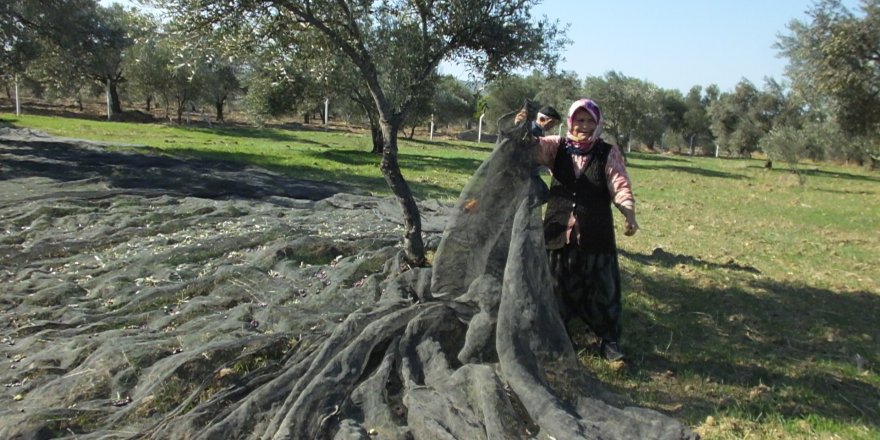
[(834, 63), (400, 42)]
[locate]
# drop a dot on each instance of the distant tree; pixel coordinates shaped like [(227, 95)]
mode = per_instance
[(220, 83), (631, 107), (558, 89), (672, 111), (506, 94), (92, 47), (733, 121), (422, 109), (837, 54), (833, 61), (103, 61), (270, 94), (147, 61), (453, 101), (696, 117)]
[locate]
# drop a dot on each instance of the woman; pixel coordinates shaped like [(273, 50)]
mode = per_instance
[(588, 176)]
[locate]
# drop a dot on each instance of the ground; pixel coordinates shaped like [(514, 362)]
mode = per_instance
[(152, 297)]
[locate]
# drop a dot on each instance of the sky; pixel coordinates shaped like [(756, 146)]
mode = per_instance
[(674, 44)]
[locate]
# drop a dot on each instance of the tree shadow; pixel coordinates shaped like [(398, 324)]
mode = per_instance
[(153, 174), (839, 174), (660, 257), (250, 133), (453, 146), (863, 192), (692, 170), (656, 157), (764, 348)]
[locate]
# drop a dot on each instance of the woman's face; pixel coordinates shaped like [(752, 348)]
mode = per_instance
[(582, 124)]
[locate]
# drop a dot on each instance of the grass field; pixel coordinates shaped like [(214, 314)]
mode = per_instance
[(752, 299)]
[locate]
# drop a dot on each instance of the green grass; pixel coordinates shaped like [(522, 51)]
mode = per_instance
[(433, 169), (748, 295)]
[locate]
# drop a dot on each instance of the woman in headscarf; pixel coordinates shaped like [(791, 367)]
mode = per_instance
[(589, 175)]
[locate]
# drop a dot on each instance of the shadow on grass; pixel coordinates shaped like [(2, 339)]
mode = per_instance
[(481, 148), (660, 257), (813, 172), (656, 157), (763, 349), (373, 184), (691, 170), (251, 133), (215, 174), (149, 174), (48, 109)]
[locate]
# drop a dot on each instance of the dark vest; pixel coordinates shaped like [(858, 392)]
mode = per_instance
[(586, 196)]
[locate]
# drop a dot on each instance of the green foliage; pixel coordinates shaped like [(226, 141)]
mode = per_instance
[(834, 66), (696, 118), (270, 96), (505, 95), (557, 89), (736, 122), (453, 101), (30, 29), (673, 141), (631, 107)]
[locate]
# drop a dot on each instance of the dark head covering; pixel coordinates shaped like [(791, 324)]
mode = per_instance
[(551, 112)]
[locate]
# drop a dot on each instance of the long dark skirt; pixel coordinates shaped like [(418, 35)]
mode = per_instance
[(587, 286)]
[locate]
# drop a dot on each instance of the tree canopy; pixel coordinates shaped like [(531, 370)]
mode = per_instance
[(395, 47), (834, 63)]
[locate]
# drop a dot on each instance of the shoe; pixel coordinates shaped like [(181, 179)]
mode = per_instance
[(611, 351)]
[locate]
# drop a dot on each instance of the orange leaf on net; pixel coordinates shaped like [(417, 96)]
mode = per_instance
[(471, 205)]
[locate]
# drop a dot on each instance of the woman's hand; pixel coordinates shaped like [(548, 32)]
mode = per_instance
[(631, 226)]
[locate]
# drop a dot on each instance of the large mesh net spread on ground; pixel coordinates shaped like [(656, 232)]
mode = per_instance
[(167, 314)]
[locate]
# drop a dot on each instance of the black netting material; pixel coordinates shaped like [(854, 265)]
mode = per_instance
[(224, 304)]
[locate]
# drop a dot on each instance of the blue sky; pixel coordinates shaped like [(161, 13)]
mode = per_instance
[(680, 43), (674, 44)]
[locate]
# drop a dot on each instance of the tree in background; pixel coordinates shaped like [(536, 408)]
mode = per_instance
[(453, 101), (557, 89), (696, 116), (146, 61), (91, 49), (736, 129), (494, 36), (63, 44), (221, 83), (270, 94), (102, 55), (505, 94), (630, 106), (834, 63), (672, 111)]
